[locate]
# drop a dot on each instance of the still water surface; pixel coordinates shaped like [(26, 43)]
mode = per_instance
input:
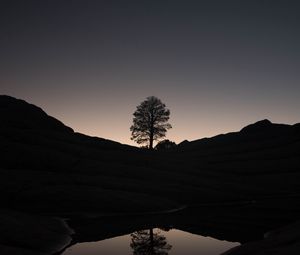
[(160, 242)]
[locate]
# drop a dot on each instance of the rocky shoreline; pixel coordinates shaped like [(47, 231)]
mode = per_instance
[(30, 234), (285, 240)]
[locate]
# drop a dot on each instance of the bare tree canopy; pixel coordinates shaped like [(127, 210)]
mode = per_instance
[(150, 122)]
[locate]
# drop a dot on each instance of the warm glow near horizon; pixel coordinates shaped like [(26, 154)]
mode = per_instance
[(92, 119)]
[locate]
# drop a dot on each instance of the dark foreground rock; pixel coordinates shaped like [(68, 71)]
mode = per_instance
[(27, 234), (285, 241)]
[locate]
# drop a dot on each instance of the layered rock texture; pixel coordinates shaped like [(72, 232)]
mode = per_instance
[(48, 169)]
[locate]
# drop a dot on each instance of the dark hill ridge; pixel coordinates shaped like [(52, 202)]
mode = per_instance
[(45, 167), (256, 135), (263, 126), (19, 114)]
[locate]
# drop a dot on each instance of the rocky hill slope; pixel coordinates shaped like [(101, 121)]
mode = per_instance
[(47, 168)]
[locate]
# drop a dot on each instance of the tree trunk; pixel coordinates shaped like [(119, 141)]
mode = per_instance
[(151, 142), (151, 134), (151, 240)]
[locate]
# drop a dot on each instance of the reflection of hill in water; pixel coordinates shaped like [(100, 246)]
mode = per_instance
[(46, 167)]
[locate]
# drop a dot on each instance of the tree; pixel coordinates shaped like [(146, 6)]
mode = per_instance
[(150, 122)]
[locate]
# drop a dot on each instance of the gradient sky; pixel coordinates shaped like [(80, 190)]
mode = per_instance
[(217, 65)]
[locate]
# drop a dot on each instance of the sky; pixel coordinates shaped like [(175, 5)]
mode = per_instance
[(218, 65)]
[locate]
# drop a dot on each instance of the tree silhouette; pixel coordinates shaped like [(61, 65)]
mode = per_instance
[(150, 122), (146, 242)]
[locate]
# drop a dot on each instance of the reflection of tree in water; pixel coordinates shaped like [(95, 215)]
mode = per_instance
[(145, 242)]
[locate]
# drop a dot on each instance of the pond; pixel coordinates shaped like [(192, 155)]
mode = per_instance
[(190, 232), (153, 241)]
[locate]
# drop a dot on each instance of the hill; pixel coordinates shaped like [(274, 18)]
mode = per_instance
[(48, 169)]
